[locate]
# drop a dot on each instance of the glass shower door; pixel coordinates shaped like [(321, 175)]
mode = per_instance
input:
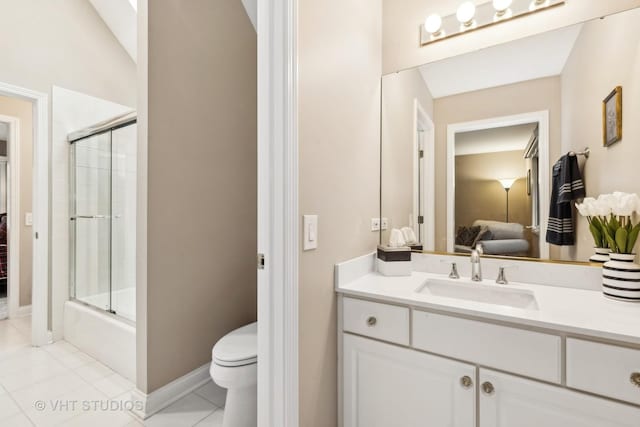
[(123, 207), (91, 220)]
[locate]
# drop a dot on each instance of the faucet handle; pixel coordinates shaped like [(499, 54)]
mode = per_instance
[(454, 269), (502, 278), (480, 249)]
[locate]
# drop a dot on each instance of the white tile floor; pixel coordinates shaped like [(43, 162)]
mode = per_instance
[(61, 376)]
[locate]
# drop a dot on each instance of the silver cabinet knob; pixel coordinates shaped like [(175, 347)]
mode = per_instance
[(466, 381), (635, 379), (371, 321), (487, 387)]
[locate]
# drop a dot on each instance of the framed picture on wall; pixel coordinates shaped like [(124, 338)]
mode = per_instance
[(612, 117)]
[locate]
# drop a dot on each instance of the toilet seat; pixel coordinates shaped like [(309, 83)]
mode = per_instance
[(237, 348)]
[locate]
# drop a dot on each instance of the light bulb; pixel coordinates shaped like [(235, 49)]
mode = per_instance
[(433, 24), (502, 5), (466, 12)]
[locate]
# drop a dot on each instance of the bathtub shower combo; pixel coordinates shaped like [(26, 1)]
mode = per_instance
[(102, 305)]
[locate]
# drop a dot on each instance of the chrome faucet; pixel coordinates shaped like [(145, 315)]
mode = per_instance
[(476, 269)]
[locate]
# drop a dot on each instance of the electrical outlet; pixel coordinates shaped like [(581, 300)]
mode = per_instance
[(375, 224), (384, 223)]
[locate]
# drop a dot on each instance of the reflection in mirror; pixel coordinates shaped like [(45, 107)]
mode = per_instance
[(496, 190), (469, 143)]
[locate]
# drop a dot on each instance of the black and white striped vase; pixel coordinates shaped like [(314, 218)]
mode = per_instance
[(601, 255), (621, 278)]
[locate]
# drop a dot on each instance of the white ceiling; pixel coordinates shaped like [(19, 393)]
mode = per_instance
[(121, 16), (495, 140), (4, 131), (544, 55), (251, 6)]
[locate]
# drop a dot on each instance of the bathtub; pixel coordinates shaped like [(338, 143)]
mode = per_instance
[(103, 336)]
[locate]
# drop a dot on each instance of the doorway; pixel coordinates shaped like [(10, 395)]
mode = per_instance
[(35, 218)]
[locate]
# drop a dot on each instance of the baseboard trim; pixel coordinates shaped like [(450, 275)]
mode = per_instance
[(145, 405), (23, 311)]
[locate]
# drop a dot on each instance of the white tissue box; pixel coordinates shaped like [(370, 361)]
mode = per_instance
[(394, 268)]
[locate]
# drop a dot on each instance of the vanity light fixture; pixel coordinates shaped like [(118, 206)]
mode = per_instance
[(538, 4), (469, 17)]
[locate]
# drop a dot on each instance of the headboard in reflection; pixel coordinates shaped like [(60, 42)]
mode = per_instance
[(469, 143)]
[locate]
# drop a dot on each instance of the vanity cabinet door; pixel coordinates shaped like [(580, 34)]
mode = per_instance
[(386, 386), (508, 401)]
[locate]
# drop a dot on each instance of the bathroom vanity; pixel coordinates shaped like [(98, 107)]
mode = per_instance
[(426, 350)]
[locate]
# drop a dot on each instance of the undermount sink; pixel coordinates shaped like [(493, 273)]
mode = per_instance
[(479, 292)]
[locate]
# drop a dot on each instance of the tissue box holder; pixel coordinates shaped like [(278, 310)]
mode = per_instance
[(394, 261)]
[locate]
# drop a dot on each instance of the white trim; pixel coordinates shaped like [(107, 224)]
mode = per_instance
[(23, 311), (277, 214), (542, 118), (40, 288), (13, 213), (145, 405), (429, 176)]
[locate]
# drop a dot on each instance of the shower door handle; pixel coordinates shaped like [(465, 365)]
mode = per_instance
[(73, 218)]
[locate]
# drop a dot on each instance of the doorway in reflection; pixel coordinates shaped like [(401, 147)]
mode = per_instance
[(496, 190)]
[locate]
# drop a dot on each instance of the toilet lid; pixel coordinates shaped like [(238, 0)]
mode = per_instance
[(237, 348)]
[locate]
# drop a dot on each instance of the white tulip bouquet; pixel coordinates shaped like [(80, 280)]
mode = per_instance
[(610, 220)]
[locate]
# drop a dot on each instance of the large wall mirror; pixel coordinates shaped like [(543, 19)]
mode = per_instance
[(470, 144)]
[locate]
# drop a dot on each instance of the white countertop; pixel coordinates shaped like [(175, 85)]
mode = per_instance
[(574, 311)]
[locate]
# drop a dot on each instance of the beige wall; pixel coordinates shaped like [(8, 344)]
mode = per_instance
[(399, 91), (63, 43), (202, 196), (402, 20), (339, 119), (592, 71), (23, 110), (479, 195), (530, 96)]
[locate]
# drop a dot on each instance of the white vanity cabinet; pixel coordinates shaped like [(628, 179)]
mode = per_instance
[(508, 401), (404, 367), (387, 386)]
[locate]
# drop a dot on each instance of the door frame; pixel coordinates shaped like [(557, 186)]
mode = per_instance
[(13, 214), (428, 178), (278, 222), (40, 287), (544, 185)]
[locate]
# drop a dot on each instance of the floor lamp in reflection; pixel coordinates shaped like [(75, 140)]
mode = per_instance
[(507, 183)]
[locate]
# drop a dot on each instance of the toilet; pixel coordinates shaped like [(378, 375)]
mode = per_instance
[(234, 366)]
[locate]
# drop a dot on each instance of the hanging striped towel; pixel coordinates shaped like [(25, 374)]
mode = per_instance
[(567, 186)]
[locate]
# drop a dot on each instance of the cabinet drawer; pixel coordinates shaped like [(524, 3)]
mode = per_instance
[(528, 353), (375, 320), (604, 369)]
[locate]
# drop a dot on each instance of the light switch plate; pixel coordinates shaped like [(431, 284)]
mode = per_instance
[(310, 232), (28, 219)]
